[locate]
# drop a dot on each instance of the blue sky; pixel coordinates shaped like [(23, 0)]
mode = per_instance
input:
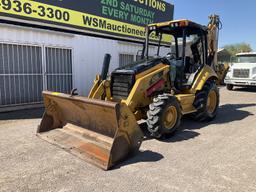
[(238, 17)]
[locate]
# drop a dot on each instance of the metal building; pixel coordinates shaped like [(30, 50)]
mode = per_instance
[(33, 60)]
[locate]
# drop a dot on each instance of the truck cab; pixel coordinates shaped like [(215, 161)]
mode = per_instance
[(242, 71)]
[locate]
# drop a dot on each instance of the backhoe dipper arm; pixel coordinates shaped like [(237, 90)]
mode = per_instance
[(213, 36)]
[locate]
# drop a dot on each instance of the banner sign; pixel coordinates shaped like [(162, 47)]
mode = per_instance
[(110, 18)]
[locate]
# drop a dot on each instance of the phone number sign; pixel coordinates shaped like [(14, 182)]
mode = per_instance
[(109, 18)]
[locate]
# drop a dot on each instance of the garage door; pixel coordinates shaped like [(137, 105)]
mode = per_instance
[(27, 70)]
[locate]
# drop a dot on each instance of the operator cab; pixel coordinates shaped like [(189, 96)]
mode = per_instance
[(187, 51)]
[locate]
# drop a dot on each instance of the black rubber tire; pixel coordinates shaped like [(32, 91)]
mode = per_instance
[(156, 114), (200, 102), (229, 87)]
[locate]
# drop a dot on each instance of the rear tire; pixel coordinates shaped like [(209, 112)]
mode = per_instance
[(230, 87), (163, 116), (207, 102)]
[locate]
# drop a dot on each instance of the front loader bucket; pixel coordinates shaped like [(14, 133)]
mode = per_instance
[(100, 132)]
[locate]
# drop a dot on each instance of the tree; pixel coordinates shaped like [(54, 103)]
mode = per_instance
[(233, 49)]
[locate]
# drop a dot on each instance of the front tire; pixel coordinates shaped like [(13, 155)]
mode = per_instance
[(164, 116), (230, 87), (207, 102)]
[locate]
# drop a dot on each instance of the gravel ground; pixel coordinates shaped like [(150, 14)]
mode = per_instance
[(219, 156)]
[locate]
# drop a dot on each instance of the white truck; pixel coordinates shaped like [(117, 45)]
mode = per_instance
[(242, 72)]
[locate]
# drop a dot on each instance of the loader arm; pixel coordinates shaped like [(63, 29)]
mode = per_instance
[(101, 85), (100, 89), (95, 87)]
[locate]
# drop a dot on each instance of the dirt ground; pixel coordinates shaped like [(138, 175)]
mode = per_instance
[(216, 156)]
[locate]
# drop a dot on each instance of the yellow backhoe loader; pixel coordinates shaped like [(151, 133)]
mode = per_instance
[(102, 128)]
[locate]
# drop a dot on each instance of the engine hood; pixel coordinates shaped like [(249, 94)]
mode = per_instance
[(140, 66)]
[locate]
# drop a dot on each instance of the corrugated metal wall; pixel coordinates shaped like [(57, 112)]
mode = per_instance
[(88, 58)]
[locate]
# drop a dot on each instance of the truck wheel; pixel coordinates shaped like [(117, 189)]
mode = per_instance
[(229, 87), (163, 116), (207, 102)]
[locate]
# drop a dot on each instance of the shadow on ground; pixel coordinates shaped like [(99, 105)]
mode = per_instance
[(245, 89), (227, 113), (141, 156), (22, 114)]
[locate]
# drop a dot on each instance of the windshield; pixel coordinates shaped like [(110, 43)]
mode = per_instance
[(175, 43), (246, 59), (161, 44)]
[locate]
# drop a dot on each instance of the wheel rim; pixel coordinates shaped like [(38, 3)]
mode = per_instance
[(211, 101), (170, 117)]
